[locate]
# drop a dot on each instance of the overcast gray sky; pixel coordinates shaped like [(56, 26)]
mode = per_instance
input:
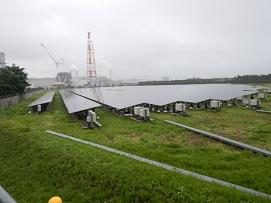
[(140, 38)]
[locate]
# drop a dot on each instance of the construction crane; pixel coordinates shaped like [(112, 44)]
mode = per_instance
[(74, 68), (57, 62)]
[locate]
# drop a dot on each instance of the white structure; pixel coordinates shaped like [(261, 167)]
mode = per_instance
[(246, 101), (92, 117), (144, 113), (261, 95), (137, 110), (2, 59), (39, 108), (180, 107), (215, 104), (141, 112), (251, 102), (255, 102)]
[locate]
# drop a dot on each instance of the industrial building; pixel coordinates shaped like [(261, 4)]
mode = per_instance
[(64, 77)]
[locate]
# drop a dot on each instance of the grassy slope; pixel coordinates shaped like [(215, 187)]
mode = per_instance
[(267, 104), (37, 165), (235, 122), (264, 85)]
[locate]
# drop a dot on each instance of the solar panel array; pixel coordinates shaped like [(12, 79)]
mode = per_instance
[(127, 96), (47, 98), (75, 103)]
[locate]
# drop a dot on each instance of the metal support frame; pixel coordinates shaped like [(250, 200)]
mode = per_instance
[(5, 197), (223, 139)]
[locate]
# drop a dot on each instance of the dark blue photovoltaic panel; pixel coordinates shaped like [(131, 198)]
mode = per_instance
[(47, 98), (75, 103), (125, 96)]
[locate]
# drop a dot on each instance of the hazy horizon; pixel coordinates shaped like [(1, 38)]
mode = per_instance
[(139, 39)]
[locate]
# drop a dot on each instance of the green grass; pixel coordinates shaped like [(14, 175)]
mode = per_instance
[(238, 123), (267, 104), (264, 85), (35, 165)]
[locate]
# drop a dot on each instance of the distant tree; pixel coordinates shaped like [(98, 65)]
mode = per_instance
[(13, 80), (237, 79)]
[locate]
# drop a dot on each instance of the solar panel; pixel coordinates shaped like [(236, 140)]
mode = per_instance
[(47, 98), (75, 103), (113, 97), (160, 95)]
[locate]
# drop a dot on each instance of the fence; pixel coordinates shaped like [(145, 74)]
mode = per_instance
[(11, 101)]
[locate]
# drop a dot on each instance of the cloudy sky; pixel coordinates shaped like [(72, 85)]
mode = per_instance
[(146, 39)]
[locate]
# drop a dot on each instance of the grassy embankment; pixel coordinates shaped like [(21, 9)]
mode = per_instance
[(261, 85), (35, 165)]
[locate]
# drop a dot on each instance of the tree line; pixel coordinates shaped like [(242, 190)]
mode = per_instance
[(13, 80), (236, 80)]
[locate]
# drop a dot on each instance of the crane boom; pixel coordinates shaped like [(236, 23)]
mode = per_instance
[(57, 62), (49, 54)]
